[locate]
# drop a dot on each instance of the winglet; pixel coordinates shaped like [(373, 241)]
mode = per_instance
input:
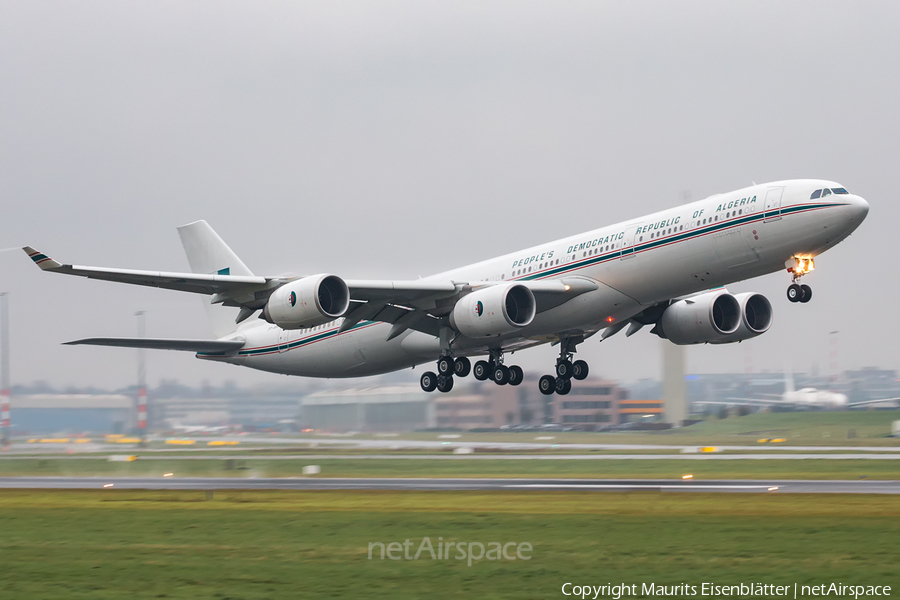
[(42, 260)]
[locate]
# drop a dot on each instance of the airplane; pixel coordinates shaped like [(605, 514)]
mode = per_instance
[(804, 398), (666, 270)]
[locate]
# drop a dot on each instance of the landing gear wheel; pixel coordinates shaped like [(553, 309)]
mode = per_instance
[(564, 369), (563, 386), (501, 375), (806, 293), (794, 292), (547, 384), (516, 375), (481, 370), (445, 365), (580, 370), (462, 367), (444, 383), (428, 381)]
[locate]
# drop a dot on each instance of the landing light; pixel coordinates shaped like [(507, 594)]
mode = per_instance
[(568, 288)]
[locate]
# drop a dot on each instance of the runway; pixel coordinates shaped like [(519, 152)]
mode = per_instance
[(263, 457), (426, 484)]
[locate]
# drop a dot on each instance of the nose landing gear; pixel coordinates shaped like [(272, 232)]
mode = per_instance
[(798, 267)]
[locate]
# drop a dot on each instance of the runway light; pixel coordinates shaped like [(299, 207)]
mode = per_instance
[(108, 485), (168, 474), (687, 476), (772, 489)]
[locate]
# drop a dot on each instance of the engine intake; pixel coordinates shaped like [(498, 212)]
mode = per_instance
[(494, 310), (756, 318), (308, 302)]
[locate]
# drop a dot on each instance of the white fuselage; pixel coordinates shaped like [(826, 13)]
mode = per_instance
[(813, 398), (684, 250)]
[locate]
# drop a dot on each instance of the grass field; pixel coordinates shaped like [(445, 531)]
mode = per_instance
[(120, 544), (350, 467)]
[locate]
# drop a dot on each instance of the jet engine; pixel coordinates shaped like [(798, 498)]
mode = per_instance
[(756, 318), (307, 302), (715, 318), (494, 310)]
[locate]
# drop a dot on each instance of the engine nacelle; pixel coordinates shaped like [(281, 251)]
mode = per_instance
[(493, 311), (709, 317), (308, 302), (756, 318)]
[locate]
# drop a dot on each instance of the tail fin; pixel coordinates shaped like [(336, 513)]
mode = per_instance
[(789, 381), (208, 254)]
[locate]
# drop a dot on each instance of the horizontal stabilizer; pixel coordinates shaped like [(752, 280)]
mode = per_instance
[(207, 346)]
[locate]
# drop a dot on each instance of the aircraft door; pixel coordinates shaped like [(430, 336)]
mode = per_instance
[(773, 205), (283, 340), (628, 242)]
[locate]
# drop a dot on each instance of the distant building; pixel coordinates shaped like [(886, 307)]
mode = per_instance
[(389, 408), (72, 413), (597, 404), (494, 407)]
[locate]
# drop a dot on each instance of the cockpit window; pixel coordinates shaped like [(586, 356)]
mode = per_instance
[(815, 194), (826, 192), (839, 191)]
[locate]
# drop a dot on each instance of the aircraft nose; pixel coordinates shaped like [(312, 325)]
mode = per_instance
[(860, 207)]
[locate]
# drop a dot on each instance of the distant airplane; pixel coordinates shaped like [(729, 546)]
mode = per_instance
[(200, 428), (807, 398), (666, 269)]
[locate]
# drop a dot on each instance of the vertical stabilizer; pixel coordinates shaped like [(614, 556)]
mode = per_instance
[(208, 254), (788, 381)]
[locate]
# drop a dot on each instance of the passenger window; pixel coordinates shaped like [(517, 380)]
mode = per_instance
[(816, 194), (826, 192)]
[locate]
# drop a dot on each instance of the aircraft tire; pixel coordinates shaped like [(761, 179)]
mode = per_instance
[(481, 370), (580, 370), (563, 386), (445, 365), (428, 381), (547, 384), (462, 367), (806, 295), (501, 375), (444, 383), (516, 375), (564, 369), (794, 292)]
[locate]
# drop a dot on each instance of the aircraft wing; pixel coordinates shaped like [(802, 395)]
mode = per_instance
[(183, 282), (418, 304), (209, 346), (869, 402), (750, 401)]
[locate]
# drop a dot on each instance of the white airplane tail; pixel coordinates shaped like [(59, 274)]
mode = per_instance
[(208, 254)]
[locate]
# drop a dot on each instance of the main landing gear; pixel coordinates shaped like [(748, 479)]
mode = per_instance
[(447, 368), (798, 267), (566, 370), (494, 369)]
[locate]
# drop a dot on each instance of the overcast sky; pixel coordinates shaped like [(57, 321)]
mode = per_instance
[(398, 139)]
